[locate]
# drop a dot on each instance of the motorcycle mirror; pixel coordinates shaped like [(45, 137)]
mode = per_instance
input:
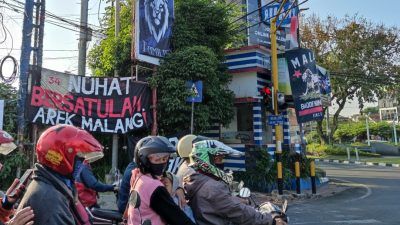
[(240, 185), (134, 199), (244, 192), (284, 206)]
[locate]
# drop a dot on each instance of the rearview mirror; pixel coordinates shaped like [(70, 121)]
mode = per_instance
[(244, 192), (134, 199)]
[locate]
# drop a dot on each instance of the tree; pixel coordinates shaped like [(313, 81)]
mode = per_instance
[(202, 30), (362, 58), (9, 94), (372, 110), (192, 63), (113, 52)]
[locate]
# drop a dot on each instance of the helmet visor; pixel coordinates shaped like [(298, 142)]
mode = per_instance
[(91, 156), (159, 158), (6, 148)]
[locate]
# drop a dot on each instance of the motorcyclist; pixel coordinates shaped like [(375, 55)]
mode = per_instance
[(123, 192), (88, 185), (184, 148), (151, 156), (208, 190), (25, 215), (52, 194)]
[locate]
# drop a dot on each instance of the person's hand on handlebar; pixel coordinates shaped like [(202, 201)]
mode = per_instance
[(22, 217), (12, 199)]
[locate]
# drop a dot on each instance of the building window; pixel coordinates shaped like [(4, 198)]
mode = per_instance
[(245, 117)]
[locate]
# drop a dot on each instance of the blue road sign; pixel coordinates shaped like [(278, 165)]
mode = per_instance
[(275, 120), (272, 10), (196, 90)]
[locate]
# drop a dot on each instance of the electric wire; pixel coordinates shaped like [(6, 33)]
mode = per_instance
[(253, 25)]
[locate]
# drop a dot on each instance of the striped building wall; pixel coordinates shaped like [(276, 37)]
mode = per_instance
[(234, 163), (286, 133), (257, 123)]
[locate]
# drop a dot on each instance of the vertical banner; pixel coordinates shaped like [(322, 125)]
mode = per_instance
[(1, 113), (153, 29), (305, 84), (325, 82)]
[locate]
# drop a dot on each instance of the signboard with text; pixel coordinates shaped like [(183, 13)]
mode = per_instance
[(106, 105), (153, 29), (305, 84)]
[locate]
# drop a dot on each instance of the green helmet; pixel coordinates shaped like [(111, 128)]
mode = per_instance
[(201, 158)]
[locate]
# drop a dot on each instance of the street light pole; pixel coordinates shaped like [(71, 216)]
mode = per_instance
[(278, 127), (366, 121)]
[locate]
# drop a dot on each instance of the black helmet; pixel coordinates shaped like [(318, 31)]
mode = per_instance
[(151, 145)]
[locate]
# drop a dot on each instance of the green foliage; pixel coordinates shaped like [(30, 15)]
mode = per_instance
[(346, 132), (10, 164), (313, 137), (372, 110), (320, 150), (9, 94), (113, 52), (263, 174), (192, 63), (206, 23), (361, 57)]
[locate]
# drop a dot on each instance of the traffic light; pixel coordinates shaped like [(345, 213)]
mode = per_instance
[(267, 92)]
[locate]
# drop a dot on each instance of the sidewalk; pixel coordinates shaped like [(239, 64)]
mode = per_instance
[(362, 162)]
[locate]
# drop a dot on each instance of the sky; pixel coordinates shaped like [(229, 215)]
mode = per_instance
[(61, 45)]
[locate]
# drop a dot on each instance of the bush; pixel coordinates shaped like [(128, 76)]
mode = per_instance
[(324, 150), (11, 163), (261, 171)]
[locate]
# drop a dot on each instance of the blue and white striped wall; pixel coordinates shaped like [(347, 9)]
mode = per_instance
[(286, 133), (247, 59), (234, 163), (257, 123)]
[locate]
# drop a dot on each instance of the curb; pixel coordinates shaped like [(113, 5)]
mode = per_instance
[(357, 162)]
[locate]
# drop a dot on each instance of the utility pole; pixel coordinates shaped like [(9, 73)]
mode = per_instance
[(35, 29), (278, 127), (366, 121), (328, 130), (83, 38), (394, 131), (114, 164), (24, 68)]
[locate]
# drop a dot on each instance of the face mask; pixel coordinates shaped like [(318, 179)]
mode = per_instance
[(157, 169)]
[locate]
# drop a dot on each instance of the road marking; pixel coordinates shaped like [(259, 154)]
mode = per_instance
[(382, 164), (349, 183), (395, 165), (367, 221)]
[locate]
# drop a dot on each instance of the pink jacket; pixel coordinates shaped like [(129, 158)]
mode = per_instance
[(145, 185)]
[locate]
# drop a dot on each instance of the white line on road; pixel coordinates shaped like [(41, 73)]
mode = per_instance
[(368, 221), (349, 183)]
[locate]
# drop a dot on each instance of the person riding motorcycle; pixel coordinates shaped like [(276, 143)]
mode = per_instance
[(208, 189), (88, 185), (52, 194), (151, 156), (184, 148), (25, 215)]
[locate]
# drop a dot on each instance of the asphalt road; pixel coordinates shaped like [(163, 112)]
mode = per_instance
[(375, 198)]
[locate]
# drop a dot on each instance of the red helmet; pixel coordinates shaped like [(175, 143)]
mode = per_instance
[(6, 143), (58, 146)]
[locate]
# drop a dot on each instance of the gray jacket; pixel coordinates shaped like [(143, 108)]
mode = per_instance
[(212, 203), (49, 198)]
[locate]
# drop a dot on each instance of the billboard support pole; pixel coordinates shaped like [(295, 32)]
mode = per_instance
[(278, 127), (191, 119)]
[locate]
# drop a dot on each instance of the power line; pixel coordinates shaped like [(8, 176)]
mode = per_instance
[(50, 50), (253, 25)]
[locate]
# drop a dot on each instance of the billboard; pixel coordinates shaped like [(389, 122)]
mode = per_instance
[(153, 29), (260, 34), (106, 105), (305, 84)]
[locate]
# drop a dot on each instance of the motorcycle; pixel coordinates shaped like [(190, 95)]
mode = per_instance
[(265, 207)]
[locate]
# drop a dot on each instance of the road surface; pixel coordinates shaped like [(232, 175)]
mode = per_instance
[(375, 198)]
